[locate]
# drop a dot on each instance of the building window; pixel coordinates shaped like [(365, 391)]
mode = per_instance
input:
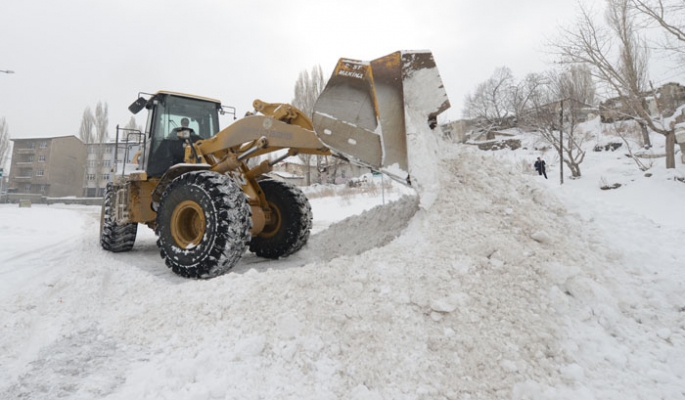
[(107, 163), (90, 177), (27, 188), (105, 177), (29, 158), (41, 158), (92, 163), (43, 144), (40, 172), (32, 145), (43, 188)]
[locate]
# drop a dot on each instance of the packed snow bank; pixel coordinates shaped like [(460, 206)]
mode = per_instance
[(359, 233)]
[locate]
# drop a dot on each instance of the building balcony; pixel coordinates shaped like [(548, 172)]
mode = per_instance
[(25, 150), (23, 177)]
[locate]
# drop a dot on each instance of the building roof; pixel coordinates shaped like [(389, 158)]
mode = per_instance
[(45, 138)]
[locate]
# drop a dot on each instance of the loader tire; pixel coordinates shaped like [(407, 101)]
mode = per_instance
[(114, 237), (203, 224), (292, 221)]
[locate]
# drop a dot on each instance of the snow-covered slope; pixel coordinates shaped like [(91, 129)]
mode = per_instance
[(505, 287)]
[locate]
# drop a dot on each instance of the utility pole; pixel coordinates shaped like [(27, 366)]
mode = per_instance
[(561, 143)]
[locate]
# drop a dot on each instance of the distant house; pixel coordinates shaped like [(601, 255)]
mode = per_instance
[(616, 109), (663, 101), (46, 167), (296, 180), (456, 130), (580, 111), (330, 170), (670, 96), (463, 130), (494, 139)]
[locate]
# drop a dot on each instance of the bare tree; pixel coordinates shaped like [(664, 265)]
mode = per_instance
[(491, 101), (101, 122), (524, 94), (555, 118), (132, 125), (4, 142), (576, 83), (622, 71), (634, 58), (96, 141), (623, 131), (669, 15), (101, 138), (85, 132), (308, 87)]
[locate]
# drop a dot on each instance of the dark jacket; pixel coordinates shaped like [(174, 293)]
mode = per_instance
[(540, 165)]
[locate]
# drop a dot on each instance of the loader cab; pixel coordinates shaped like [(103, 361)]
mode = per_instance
[(166, 112)]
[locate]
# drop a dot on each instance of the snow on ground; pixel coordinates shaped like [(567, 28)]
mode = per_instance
[(507, 286)]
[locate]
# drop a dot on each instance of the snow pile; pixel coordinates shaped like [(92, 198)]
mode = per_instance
[(495, 291)]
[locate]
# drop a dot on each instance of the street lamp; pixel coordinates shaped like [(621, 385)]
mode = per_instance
[(7, 71)]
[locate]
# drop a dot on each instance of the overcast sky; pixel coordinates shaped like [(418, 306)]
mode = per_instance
[(70, 54)]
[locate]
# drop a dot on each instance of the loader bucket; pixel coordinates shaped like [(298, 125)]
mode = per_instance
[(367, 109)]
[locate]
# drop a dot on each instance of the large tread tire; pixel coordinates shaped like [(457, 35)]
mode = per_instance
[(203, 223), (114, 237), (293, 224)]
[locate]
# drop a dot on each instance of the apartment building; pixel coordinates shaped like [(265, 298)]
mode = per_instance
[(46, 167), (100, 165)]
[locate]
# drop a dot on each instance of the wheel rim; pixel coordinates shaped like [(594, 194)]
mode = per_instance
[(188, 224), (274, 225)]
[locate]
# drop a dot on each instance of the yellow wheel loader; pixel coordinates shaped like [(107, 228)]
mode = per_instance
[(192, 182)]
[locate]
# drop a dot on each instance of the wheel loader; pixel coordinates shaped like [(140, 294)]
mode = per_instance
[(201, 190)]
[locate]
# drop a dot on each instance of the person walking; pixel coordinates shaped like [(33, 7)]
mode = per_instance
[(540, 167)]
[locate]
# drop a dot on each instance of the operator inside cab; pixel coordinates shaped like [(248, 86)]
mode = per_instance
[(184, 127)]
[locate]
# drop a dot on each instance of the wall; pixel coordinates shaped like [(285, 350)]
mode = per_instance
[(67, 162)]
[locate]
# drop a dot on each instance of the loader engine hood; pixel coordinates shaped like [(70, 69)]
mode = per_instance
[(369, 110)]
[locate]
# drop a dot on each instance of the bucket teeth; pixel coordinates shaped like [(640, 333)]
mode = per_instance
[(367, 109)]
